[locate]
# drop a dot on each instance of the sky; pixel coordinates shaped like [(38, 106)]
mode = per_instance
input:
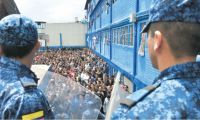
[(52, 11)]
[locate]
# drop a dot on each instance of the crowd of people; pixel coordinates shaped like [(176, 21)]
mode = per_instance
[(83, 67)]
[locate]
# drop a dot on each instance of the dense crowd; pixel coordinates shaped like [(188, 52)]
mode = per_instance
[(83, 67)]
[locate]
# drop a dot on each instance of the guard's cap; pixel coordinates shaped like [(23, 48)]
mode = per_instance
[(174, 11), (18, 30)]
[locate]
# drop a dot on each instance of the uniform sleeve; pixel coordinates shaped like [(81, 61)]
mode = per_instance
[(32, 104), (120, 113)]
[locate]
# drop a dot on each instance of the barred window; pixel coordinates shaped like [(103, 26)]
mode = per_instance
[(126, 33), (122, 36), (131, 35), (114, 32), (119, 35)]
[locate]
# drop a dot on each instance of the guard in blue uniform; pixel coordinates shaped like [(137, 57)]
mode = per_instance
[(173, 42), (19, 96)]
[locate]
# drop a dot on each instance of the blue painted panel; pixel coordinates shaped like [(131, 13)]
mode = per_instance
[(138, 84), (115, 66), (105, 19), (144, 70), (123, 57), (98, 47), (90, 41), (102, 48), (144, 5), (93, 26), (95, 2), (105, 51), (98, 23), (123, 9)]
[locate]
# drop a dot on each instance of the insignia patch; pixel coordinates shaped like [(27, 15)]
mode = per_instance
[(37, 115)]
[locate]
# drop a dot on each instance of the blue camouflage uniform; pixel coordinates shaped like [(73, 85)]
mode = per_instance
[(175, 93), (19, 96)]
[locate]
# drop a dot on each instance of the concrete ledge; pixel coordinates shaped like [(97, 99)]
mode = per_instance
[(40, 71)]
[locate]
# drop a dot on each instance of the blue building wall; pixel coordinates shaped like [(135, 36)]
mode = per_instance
[(98, 20), (94, 26), (90, 41), (124, 50), (120, 54), (106, 50), (144, 5), (98, 42), (105, 18), (122, 9)]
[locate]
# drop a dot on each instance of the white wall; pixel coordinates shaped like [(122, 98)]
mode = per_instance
[(73, 34)]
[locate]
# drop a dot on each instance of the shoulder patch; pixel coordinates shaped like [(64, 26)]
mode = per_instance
[(127, 102), (27, 82), (37, 115), (137, 96)]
